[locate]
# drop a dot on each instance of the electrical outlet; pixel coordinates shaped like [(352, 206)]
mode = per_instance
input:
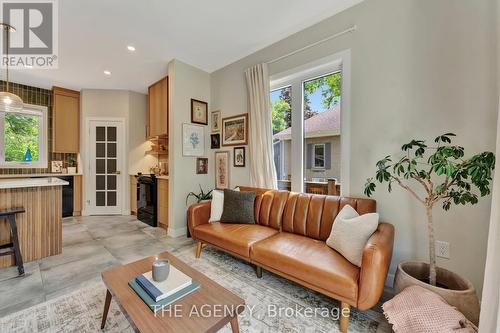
[(443, 249)]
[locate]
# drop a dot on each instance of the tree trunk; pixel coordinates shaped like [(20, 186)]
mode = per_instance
[(432, 247)]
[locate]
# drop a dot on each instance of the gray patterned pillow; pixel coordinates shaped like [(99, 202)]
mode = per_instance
[(238, 207)]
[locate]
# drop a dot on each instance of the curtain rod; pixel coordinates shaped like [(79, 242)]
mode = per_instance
[(338, 34)]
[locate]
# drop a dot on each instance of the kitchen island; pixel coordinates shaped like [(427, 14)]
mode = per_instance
[(39, 228)]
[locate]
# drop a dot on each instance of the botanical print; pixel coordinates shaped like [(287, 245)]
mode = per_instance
[(199, 112), (222, 169), (193, 140), (234, 130), (215, 122)]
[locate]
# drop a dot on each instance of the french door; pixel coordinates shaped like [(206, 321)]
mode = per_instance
[(106, 162)]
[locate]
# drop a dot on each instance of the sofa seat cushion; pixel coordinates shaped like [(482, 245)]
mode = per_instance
[(236, 238), (309, 260)]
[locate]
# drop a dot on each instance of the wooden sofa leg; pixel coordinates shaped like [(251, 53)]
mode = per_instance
[(198, 249), (345, 312), (258, 271)]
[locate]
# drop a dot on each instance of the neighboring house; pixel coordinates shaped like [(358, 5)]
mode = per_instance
[(322, 150)]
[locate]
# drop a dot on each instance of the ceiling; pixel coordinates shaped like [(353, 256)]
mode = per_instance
[(94, 34)]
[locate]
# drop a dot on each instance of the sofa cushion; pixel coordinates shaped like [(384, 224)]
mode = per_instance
[(236, 238), (238, 207), (309, 260)]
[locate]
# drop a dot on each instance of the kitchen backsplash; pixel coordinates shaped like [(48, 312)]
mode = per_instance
[(35, 96)]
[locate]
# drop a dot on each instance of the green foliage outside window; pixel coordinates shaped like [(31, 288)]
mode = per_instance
[(21, 133)]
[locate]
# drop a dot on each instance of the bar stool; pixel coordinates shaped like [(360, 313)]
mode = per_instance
[(10, 215)]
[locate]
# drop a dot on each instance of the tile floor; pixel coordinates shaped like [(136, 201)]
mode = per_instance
[(90, 245)]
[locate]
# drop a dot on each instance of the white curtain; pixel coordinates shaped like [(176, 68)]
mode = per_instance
[(262, 171), (489, 321)]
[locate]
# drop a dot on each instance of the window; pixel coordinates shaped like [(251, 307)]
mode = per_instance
[(23, 138), (309, 150), (318, 161)]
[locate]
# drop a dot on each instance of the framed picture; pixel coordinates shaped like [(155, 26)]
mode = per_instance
[(56, 166), (239, 157), (235, 130), (215, 121), (221, 169), (214, 141), (193, 140), (201, 166), (199, 112)]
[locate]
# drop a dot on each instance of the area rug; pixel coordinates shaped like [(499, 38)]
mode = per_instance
[(81, 310)]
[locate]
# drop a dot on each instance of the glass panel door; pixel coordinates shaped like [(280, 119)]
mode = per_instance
[(105, 167), (321, 109)]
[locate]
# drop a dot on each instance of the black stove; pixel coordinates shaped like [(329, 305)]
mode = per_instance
[(146, 199)]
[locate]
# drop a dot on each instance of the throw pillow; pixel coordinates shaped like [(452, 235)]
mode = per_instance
[(350, 233), (217, 205), (238, 207)]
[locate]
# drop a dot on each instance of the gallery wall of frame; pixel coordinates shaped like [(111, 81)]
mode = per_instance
[(225, 133)]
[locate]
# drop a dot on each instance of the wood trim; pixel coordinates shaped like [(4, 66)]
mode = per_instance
[(77, 195)]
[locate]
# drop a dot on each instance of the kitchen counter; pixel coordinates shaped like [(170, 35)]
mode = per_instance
[(162, 177), (39, 228), (39, 175), (31, 182)]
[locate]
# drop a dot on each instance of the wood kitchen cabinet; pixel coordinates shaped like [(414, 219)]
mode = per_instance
[(162, 203), (65, 120), (77, 195), (133, 195), (158, 109)]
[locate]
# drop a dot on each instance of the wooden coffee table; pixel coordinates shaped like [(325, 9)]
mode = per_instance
[(200, 311)]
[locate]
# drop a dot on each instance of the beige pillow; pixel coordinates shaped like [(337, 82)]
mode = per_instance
[(350, 233)]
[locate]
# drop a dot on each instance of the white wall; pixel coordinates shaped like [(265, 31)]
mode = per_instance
[(419, 68), (185, 82), (132, 108)]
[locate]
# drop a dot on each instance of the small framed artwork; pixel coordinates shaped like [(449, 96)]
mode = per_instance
[(235, 130), (193, 140), (222, 169), (201, 166), (199, 112), (239, 157), (215, 121), (214, 141), (56, 166)]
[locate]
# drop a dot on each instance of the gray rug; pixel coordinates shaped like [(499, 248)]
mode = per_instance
[(81, 310)]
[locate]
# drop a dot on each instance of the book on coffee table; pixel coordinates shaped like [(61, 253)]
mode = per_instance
[(157, 306), (175, 281)]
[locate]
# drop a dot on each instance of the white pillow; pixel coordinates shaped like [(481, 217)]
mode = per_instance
[(350, 233), (217, 205)]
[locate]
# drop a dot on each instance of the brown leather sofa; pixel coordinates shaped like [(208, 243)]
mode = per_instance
[(288, 239)]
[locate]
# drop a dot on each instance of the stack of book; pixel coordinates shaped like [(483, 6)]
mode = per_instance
[(157, 295)]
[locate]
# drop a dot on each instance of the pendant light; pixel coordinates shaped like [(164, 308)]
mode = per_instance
[(9, 102)]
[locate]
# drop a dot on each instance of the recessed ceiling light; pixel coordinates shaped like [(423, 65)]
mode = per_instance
[(107, 72), (131, 48)]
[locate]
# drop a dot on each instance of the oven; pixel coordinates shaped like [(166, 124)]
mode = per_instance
[(146, 199)]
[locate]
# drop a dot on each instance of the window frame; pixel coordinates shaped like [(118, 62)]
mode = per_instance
[(295, 77), (313, 155), (28, 109)]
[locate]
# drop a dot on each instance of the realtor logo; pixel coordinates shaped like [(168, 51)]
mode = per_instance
[(33, 44)]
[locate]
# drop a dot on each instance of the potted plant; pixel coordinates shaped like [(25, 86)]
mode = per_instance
[(71, 164), (443, 176), (202, 196)]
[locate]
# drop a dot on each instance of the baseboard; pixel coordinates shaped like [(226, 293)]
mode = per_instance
[(178, 232)]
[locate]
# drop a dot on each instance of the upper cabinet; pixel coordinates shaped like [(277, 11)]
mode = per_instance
[(65, 121), (158, 109)]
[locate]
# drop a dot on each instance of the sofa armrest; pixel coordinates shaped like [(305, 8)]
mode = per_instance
[(198, 214), (375, 264)]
